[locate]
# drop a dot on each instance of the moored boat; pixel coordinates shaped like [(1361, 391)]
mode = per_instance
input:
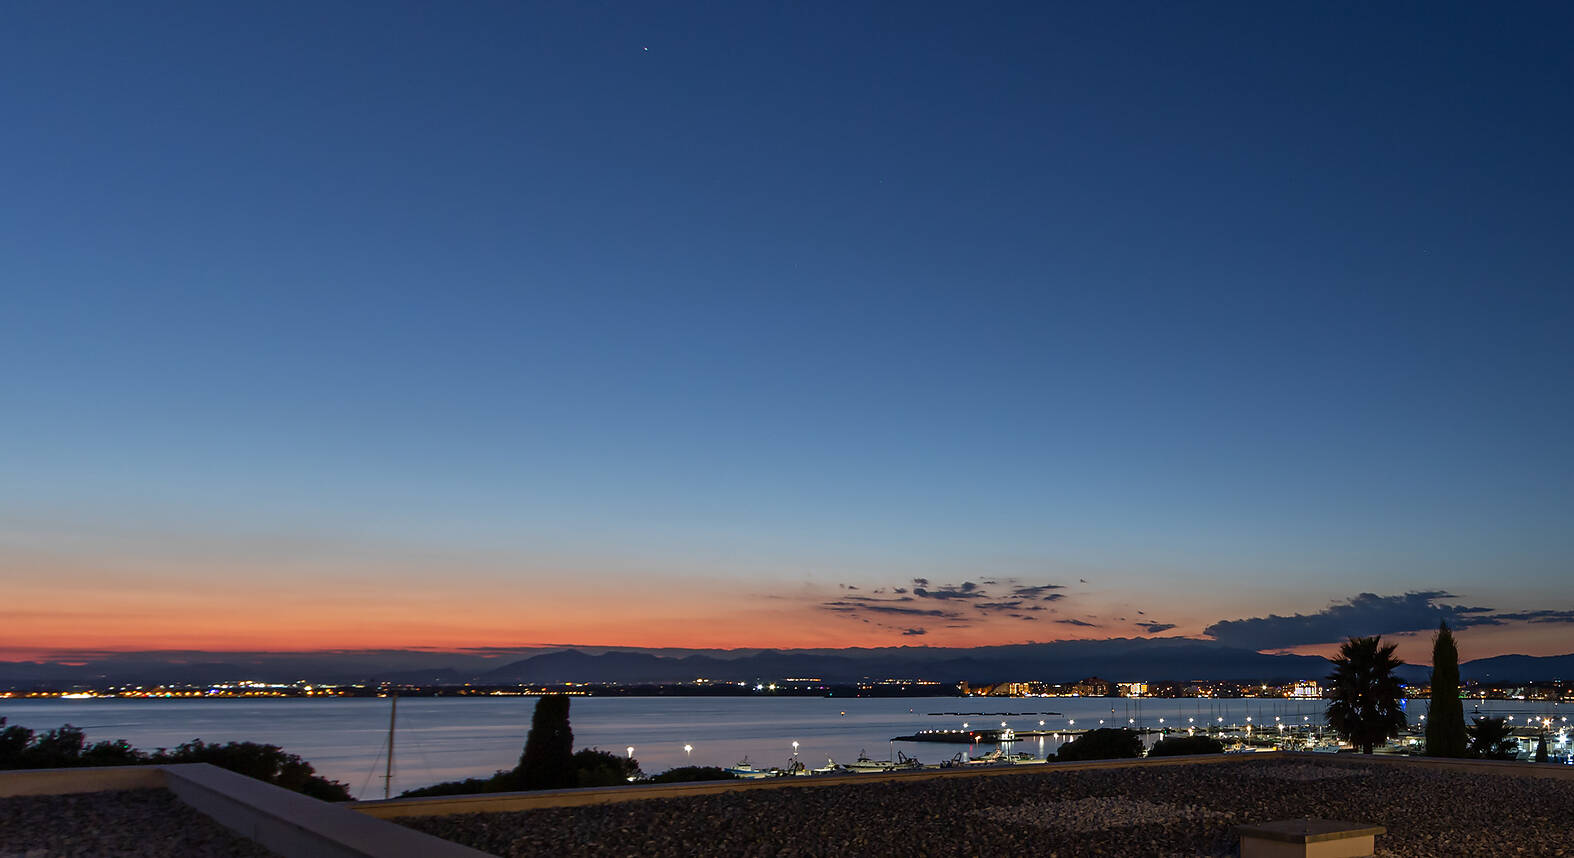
[(864, 764)]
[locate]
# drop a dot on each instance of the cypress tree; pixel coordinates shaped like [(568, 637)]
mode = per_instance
[(1445, 717), (1541, 749), (548, 759)]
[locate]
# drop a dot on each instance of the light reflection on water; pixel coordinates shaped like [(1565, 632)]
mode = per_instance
[(449, 738)]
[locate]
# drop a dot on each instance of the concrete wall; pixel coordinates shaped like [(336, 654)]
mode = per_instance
[(290, 824), (62, 781)]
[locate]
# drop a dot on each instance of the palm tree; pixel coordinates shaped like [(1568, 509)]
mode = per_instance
[(1492, 739), (1365, 709)]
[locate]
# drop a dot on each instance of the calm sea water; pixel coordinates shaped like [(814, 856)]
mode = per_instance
[(448, 738)]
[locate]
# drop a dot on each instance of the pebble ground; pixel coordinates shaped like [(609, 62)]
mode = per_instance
[(1168, 812), (144, 823)]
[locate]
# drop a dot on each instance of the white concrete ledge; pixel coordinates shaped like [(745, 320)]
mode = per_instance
[(1308, 838)]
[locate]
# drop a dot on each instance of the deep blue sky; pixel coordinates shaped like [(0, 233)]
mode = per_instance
[(1180, 296)]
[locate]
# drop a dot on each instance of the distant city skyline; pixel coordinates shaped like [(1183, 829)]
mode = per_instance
[(715, 326)]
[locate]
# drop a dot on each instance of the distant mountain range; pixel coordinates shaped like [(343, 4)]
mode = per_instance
[(1063, 661)]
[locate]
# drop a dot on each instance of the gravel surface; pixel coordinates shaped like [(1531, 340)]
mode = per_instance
[(144, 823), (1157, 812), (1101, 813)]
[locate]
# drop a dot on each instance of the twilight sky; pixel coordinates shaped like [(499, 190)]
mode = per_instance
[(715, 325)]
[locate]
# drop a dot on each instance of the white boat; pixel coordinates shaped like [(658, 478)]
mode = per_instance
[(747, 771), (864, 764)]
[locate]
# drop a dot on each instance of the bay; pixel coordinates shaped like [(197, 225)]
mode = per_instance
[(445, 738)]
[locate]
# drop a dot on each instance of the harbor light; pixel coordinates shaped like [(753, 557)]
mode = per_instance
[(1002, 723), (1041, 722), (795, 747), (631, 752), (1072, 722), (688, 749)]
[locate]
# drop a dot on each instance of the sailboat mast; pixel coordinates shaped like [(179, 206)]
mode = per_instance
[(393, 715)]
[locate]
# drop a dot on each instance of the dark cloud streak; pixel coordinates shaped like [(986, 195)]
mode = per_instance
[(1366, 614)]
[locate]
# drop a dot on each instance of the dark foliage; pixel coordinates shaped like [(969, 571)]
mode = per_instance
[(1541, 749), (1366, 693), (1180, 746), (1492, 739), (594, 767), (502, 781), (267, 763), (1102, 744), (1445, 717), (684, 774), (66, 747), (548, 758), (589, 767)]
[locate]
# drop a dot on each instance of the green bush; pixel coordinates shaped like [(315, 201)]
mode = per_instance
[(684, 774), (594, 767), (66, 747), (499, 782), (266, 763), (1181, 746), (1102, 744)]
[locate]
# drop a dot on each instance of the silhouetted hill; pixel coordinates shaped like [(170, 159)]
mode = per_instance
[(1518, 668), (1065, 661)]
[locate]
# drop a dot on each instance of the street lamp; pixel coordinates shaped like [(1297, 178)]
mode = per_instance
[(795, 747), (688, 749), (631, 752)]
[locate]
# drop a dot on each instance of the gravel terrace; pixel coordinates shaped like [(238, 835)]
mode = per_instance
[(143, 823), (1160, 811)]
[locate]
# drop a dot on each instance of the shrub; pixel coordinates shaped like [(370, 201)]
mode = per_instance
[(66, 746), (684, 774), (267, 763), (1181, 746), (595, 767), (468, 786), (1102, 744)]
